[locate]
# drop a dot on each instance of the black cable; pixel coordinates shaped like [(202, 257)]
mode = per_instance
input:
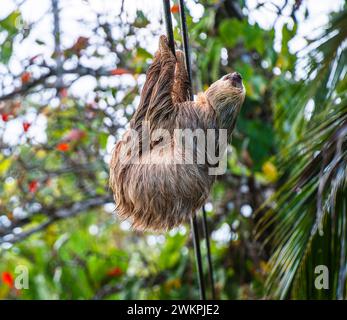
[(186, 46), (196, 242), (168, 25), (189, 70), (208, 247), (193, 221)]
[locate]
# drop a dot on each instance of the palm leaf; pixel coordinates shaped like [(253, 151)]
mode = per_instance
[(305, 220)]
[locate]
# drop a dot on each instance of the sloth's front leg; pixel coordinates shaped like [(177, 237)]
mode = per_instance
[(180, 91)]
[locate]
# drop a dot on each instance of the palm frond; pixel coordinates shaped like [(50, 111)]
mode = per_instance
[(306, 222)]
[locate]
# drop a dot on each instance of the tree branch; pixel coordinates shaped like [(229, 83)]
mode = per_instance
[(59, 214), (79, 70)]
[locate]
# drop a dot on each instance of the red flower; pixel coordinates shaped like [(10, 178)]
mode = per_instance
[(7, 279), (63, 147), (25, 77), (115, 272), (5, 116), (26, 126), (175, 8), (33, 185), (119, 71)]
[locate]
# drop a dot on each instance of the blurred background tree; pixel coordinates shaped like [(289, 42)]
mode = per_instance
[(70, 79)]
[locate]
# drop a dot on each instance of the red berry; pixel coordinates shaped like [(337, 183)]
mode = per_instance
[(175, 8), (33, 185), (63, 147), (25, 77), (26, 126), (7, 278), (115, 272), (119, 71), (5, 117)]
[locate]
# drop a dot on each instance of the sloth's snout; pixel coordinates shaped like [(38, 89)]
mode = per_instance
[(235, 79)]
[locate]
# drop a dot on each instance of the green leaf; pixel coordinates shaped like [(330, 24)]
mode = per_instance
[(144, 54), (102, 137), (229, 31), (4, 166), (141, 21), (10, 23)]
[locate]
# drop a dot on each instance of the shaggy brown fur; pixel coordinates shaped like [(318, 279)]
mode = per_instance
[(160, 196)]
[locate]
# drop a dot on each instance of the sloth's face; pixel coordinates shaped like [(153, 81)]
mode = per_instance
[(227, 90), (234, 79), (226, 96)]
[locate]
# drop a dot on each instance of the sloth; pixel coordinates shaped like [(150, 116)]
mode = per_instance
[(156, 192)]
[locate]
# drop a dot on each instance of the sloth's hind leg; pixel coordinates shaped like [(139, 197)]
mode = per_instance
[(152, 76)]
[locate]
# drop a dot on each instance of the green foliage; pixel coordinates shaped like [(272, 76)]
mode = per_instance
[(306, 224), (9, 27)]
